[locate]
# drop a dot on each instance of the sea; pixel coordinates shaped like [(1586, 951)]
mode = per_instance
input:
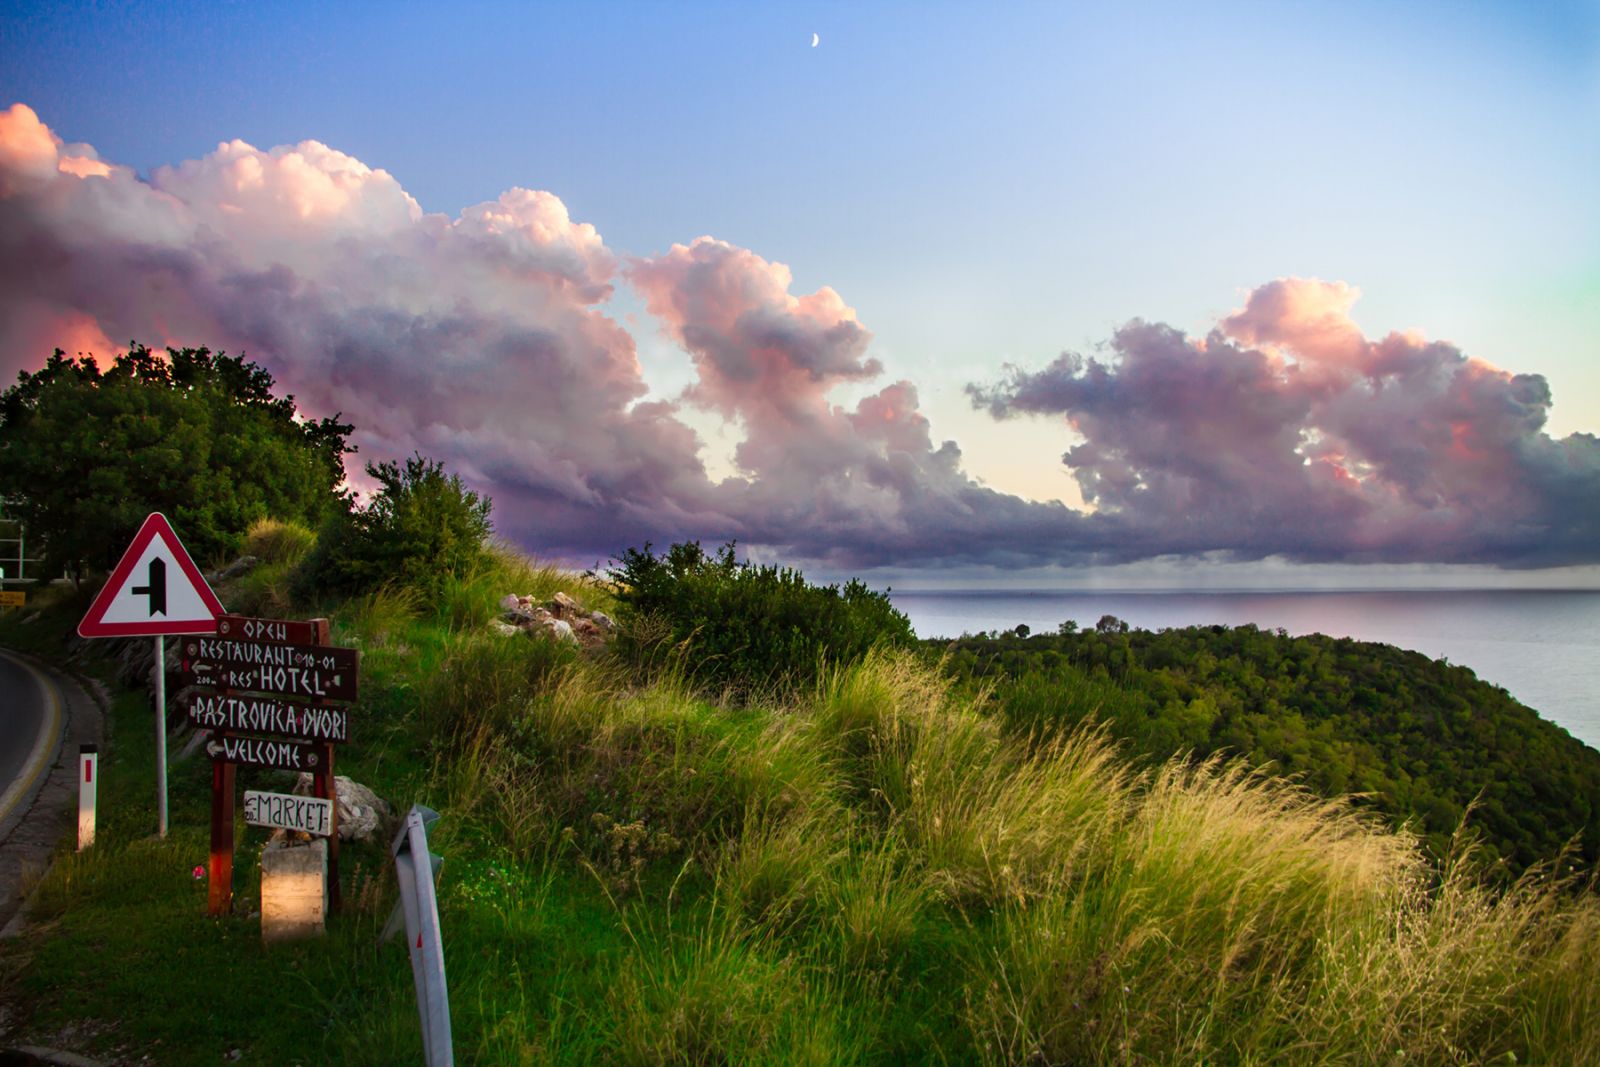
[(1542, 646)]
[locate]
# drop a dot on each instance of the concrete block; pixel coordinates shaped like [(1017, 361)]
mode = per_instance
[(294, 889)]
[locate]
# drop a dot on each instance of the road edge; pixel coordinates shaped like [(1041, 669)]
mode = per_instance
[(31, 833), (19, 795)]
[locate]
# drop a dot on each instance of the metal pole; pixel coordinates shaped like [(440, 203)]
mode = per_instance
[(161, 734)]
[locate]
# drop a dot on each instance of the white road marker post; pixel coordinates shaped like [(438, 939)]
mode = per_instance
[(161, 735), (417, 868), (88, 786)]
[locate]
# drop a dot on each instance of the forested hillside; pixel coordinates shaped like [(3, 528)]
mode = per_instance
[(1421, 738)]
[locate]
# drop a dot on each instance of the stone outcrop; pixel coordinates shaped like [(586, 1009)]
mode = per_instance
[(561, 618), (238, 568), (362, 813)]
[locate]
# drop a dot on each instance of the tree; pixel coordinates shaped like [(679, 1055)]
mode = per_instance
[(85, 455), (750, 626), (420, 526)]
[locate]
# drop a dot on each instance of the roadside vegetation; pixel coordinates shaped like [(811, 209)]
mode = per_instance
[(712, 843)]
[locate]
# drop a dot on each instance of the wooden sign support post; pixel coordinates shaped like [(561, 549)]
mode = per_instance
[(324, 786), (219, 898)]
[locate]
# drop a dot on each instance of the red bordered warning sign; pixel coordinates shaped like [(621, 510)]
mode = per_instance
[(155, 589)]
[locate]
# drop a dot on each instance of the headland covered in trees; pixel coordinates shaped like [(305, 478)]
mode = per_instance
[(763, 823)]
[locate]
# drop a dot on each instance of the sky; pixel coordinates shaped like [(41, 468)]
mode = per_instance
[(1038, 294)]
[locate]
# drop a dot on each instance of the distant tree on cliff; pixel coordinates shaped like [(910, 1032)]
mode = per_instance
[(86, 454)]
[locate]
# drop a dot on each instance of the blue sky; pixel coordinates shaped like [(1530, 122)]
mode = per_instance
[(982, 184)]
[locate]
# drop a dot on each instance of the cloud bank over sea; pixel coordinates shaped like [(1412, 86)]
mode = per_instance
[(486, 340)]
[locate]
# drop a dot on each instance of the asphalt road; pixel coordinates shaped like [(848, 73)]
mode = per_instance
[(30, 730)]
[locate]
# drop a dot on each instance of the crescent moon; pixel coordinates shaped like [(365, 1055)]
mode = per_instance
[(815, 40)]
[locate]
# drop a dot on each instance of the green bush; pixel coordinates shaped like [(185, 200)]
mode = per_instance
[(749, 627), (422, 525), (274, 541)]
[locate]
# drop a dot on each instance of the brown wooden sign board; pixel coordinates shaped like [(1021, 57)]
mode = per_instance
[(265, 715), (276, 631), (287, 681), (266, 752), (236, 652)]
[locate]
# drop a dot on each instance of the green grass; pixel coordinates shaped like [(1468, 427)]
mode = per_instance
[(872, 871)]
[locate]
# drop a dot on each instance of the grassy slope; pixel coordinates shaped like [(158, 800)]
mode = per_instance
[(872, 872)]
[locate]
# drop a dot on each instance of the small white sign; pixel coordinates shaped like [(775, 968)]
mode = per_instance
[(283, 811)]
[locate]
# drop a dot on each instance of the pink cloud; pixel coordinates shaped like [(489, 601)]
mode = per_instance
[(1288, 430), (483, 340)]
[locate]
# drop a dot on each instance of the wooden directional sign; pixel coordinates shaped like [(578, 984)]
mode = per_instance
[(322, 672), (266, 715), (265, 752), (279, 631), (278, 677), (284, 811)]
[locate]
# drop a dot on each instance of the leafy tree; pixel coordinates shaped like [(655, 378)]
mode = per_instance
[(86, 454), (1422, 739), (421, 525), (748, 625)]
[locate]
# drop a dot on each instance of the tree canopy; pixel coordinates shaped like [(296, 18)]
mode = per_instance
[(1419, 739), (421, 525), (86, 453)]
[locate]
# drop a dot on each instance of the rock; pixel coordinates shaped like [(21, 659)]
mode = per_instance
[(560, 617), (242, 565), (362, 813), (505, 629)]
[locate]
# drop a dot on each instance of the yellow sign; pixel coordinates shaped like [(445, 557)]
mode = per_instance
[(13, 598)]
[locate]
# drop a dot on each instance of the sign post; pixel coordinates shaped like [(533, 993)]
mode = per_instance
[(173, 589), (161, 735)]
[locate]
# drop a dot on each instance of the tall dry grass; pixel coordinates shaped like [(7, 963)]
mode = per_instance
[(828, 855)]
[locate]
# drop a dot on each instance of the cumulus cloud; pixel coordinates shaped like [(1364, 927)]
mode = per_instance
[(861, 486), (483, 340), (477, 339), (1287, 431)]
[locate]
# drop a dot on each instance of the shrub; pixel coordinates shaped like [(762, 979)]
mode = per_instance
[(750, 627), (274, 541), (422, 525)]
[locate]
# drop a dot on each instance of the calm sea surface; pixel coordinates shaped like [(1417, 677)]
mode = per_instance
[(1542, 646)]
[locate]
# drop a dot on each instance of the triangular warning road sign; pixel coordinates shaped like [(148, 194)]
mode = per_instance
[(155, 589)]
